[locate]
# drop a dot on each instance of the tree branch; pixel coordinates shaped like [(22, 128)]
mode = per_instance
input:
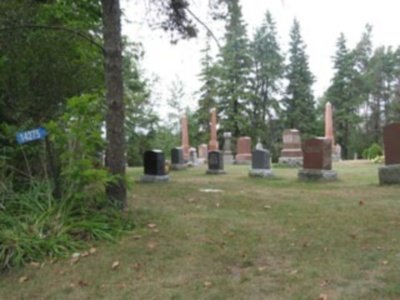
[(45, 27), (204, 25)]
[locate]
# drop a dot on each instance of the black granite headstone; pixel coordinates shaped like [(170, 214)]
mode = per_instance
[(177, 156), (154, 162), (215, 160), (261, 159)]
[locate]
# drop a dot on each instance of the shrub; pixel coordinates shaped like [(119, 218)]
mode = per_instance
[(373, 151)]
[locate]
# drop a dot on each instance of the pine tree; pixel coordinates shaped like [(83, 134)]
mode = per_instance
[(207, 93), (234, 68), (268, 68), (343, 95), (300, 112)]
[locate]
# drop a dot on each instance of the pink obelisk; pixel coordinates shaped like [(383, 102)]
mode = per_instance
[(213, 144), (185, 138), (329, 123)]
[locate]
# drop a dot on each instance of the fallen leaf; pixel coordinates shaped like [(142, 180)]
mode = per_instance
[(207, 284), (191, 200), (323, 297), (156, 230), (34, 264), (115, 265), (152, 245), (85, 254), (267, 206), (72, 285), (217, 205), (323, 283), (137, 237), (60, 272), (74, 260), (262, 268), (82, 283), (152, 225), (211, 191), (137, 266), (92, 250), (361, 202), (294, 272), (385, 262), (23, 279), (76, 254)]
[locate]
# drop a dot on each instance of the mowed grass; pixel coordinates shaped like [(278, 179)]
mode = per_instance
[(255, 239)]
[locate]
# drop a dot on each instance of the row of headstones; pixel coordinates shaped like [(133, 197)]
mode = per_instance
[(317, 162)]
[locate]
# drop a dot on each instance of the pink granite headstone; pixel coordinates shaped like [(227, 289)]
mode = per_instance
[(243, 150), (185, 138), (291, 153)]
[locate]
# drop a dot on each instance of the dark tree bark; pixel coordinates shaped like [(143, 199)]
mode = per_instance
[(115, 116)]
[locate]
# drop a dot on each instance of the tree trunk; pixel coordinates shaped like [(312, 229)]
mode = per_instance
[(115, 116)]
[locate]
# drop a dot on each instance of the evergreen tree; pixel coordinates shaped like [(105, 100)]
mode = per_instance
[(207, 93), (268, 68), (234, 68), (299, 111), (343, 95)]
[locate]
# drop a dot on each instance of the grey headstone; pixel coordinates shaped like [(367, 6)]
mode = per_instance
[(177, 156), (261, 159)]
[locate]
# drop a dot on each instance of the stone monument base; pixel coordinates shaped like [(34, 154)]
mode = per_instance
[(154, 178), (243, 159), (389, 174), (263, 173), (215, 172), (228, 159), (291, 161), (317, 175), (178, 167)]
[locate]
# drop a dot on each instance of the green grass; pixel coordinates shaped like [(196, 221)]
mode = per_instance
[(258, 239)]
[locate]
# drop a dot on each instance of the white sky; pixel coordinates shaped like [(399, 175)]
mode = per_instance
[(321, 22)]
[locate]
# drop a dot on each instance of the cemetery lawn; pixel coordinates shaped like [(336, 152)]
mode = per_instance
[(254, 239)]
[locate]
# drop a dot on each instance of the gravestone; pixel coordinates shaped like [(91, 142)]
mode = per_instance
[(390, 173), (228, 157), (213, 144), (154, 167), (203, 152), (177, 161), (317, 162), (336, 149), (193, 161), (261, 164), (185, 138), (215, 163), (291, 153), (243, 151)]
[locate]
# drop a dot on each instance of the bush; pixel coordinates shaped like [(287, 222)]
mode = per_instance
[(33, 223), (372, 152)]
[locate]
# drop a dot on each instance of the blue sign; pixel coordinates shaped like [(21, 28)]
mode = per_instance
[(31, 135)]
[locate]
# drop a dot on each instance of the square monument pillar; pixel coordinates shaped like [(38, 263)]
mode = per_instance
[(390, 173), (317, 162)]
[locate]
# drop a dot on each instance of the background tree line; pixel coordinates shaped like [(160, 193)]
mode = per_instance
[(259, 91)]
